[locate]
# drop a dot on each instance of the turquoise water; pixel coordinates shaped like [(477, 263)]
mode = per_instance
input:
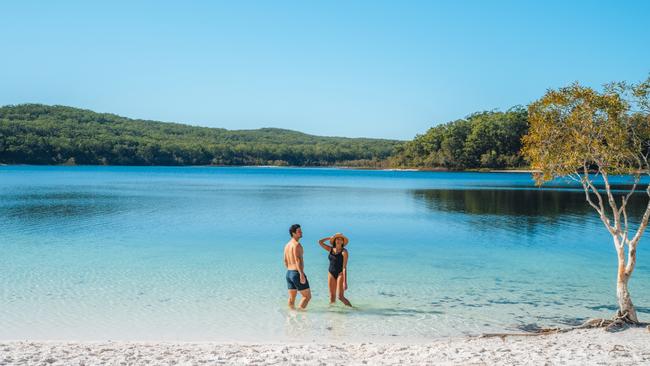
[(157, 253)]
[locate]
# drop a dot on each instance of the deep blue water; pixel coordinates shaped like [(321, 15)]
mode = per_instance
[(161, 253)]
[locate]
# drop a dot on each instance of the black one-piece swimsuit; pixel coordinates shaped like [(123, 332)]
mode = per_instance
[(336, 263)]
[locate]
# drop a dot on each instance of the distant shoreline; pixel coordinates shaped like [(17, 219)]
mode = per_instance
[(441, 170)]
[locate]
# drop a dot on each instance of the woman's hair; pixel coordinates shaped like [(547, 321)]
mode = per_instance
[(337, 239)]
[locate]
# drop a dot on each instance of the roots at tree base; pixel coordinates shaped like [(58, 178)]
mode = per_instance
[(619, 322)]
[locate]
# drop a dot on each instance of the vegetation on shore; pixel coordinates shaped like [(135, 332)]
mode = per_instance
[(484, 140), (49, 135), (41, 134)]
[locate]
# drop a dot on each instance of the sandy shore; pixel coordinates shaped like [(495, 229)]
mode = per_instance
[(630, 347)]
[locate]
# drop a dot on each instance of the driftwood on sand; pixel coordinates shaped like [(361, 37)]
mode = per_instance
[(617, 323)]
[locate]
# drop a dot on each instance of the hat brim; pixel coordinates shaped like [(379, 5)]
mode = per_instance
[(338, 235)]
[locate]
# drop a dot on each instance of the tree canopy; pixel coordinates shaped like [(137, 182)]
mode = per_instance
[(41, 134), (576, 128), (482, 140)]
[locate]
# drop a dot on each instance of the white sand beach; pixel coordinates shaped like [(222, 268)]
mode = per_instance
[(593, 346)]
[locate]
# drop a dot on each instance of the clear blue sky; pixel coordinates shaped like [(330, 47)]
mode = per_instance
[(387, 69)]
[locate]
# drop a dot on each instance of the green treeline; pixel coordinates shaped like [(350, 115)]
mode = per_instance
[(41, 134), (490, 140)]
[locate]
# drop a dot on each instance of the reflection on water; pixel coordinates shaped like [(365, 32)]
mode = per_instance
[(530, 205), (40, 206)]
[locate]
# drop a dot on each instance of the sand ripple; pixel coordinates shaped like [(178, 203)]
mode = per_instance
[(630, 347)]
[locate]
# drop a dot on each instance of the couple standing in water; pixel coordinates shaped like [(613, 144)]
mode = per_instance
[(337, 278)]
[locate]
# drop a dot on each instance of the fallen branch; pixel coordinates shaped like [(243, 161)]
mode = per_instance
[(617, 323)]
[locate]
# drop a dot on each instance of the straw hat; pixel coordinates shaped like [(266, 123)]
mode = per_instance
[(339, 235)]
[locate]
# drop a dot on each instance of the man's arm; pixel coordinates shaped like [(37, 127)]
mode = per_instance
[(297, 252)]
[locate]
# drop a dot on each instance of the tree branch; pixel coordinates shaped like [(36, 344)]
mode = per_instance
[(612, 201), (644, 223), (626, 227), (623, 208), (632, 244), (587, 185)]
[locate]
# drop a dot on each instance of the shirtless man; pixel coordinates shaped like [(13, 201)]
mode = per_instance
[(296, 279)]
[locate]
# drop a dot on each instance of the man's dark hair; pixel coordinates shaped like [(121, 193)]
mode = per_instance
[(293, 229)]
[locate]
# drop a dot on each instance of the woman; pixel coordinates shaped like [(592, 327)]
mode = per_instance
[(337, 278)]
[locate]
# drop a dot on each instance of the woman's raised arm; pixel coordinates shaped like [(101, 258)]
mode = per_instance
[(323, 245)]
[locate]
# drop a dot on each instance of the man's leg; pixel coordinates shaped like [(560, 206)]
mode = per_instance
[(306, 296), (292, 298)]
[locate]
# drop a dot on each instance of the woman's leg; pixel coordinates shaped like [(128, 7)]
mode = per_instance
[(331, 283), (341, 288)]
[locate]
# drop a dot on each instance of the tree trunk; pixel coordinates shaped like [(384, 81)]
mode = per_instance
[(624, 301)]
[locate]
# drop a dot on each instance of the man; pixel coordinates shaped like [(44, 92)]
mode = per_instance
[(293, 260)]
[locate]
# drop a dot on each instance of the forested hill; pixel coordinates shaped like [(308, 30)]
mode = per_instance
[(484, 140), (42, 134)]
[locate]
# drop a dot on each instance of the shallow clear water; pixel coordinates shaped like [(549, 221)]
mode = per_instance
[(156, 253)]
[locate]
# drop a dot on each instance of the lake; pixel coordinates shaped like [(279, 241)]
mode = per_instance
[(195, 253)]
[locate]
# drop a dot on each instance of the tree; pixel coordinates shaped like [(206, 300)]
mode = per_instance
[(488, 139), (591, 136)]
